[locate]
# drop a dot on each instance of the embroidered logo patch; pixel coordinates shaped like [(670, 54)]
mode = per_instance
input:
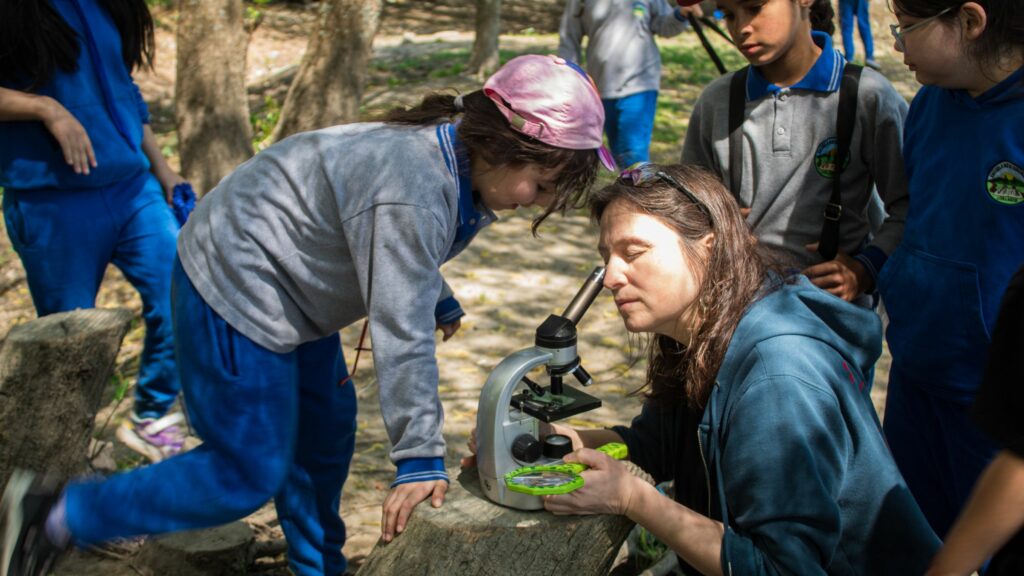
[(825, 158), (1005, 183)]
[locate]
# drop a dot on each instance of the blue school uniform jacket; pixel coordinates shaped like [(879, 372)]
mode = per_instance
[(964, 236), (100, 94)]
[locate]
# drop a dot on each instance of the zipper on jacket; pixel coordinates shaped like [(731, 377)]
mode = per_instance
[(707, 474)]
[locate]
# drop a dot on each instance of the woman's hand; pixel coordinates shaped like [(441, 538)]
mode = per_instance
[(608, 487), (449, 330), (402, 499), (71, 136)]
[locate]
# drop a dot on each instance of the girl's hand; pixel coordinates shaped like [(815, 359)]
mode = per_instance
[(168, 180), (608, 487), (470, 461), (449, 330), (844, 276), (402, 499), (71, 136)]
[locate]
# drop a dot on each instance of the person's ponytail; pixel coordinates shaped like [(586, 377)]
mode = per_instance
[(433, 109), (823, 17)]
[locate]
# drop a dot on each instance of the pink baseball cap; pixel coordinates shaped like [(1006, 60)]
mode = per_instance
[(552, 100)]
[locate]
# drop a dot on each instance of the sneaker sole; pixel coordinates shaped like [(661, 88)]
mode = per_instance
[(130, 439), (12, 512)]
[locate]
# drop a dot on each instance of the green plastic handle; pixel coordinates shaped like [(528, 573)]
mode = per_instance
[(571, 471)]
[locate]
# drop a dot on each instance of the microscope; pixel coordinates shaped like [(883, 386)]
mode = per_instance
[(507, 422)]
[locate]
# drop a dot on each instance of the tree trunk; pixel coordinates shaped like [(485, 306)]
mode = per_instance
[(220, 551), (210, 106), (329, 85), (53, 372), (485, 59), (471, 535)]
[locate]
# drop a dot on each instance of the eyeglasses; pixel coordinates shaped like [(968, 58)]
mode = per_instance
[(645, 173), (899, 32)]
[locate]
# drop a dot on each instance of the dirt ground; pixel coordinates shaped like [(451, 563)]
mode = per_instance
[(507, 281)]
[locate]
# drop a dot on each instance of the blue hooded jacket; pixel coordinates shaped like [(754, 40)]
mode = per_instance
[(102, 97), (792, 451)]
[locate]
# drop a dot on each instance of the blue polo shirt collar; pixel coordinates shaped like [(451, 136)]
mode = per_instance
[(824, 76), (473, 215)]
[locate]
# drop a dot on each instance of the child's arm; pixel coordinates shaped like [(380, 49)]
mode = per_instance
[(993, 514), (66, 129), (570, 32), (167, 177)]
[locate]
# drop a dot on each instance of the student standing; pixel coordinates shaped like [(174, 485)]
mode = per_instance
[(781, 159), (85, 184), (964, 238)]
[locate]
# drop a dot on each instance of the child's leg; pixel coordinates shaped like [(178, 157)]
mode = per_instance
[(145, 254), (611, 126), (308, 505), (864, 26), (846, 15), (65, 240), (634, 126), (938, 451), (242, 400)]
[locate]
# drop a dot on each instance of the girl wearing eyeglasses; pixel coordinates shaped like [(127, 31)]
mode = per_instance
[(757, 404), (964, 151), (782, 165)]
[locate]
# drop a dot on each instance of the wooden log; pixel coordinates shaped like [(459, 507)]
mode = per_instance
[(471, 535), (221, 551), (53, 372)]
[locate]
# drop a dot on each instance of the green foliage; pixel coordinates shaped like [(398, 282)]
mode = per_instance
[(160, 3), (263, 122)]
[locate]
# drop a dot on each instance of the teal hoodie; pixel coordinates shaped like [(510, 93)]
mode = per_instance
[(791, 447)]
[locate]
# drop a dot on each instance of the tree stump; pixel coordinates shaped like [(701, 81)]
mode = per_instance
[(471, 535), (221, 551), (53, 371)]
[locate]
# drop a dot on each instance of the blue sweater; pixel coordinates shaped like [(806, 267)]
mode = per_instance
[(100, 94), (791, 443), (964, 236)]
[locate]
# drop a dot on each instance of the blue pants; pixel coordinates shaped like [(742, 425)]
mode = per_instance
[(629, 123), (848, 10), (66, 239), (273, 425), (938, 449)]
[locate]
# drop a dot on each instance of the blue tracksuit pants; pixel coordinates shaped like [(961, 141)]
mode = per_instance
[(848, 11), (66, 239), (629, 124), (939, 451), (273, 425)]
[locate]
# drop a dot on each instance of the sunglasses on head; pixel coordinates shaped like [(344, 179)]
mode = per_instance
[(644, 174)]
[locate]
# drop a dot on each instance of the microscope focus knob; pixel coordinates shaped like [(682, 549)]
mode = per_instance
[(526, 448), (557, 446)]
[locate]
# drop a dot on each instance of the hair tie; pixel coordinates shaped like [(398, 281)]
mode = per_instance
[(458, 104)]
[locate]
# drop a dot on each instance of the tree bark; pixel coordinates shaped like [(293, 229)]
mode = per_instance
[(485, 58), (53, 372), (210, 106), (220, 551), (331, 78), (471, 535)]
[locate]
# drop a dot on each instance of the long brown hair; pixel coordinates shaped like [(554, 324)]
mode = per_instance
[(488, 135), (731, 276)]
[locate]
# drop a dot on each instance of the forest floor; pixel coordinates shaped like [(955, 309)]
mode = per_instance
[(507, 281)]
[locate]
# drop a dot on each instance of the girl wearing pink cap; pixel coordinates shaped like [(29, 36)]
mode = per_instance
[(316, 232)]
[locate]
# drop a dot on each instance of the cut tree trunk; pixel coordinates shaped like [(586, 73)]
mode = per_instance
[(329, 86), (471, 535), (485, 57), (53, 372), (221, 551), (210, 105)]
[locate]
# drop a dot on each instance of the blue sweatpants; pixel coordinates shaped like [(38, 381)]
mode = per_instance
[(273, 425), (66, 239), (629, 124), (848, 10), (939, 451)]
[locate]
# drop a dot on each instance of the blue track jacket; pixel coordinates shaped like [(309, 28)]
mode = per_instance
[(102, 97), (792, 449)]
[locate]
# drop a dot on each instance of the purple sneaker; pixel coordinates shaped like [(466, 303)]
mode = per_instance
[(154, 438)]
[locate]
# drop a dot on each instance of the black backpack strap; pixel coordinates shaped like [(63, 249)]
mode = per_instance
[(828, 244), (737, 105)]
